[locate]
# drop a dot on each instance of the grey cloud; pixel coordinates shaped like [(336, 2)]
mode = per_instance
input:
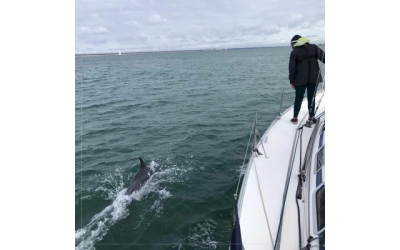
[(92, 30), (156, 19), (142, 38), (179, 24), (133, 23), (99, 41)]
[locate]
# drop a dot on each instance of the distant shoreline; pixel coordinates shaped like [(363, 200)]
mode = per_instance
[(173, 51)]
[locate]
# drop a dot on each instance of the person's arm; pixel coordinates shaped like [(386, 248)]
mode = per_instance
[(320, 54), (292, 68)]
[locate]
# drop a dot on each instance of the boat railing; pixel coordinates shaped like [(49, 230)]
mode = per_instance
[(254, 133)]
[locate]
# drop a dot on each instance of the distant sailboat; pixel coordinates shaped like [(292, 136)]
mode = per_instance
[(119, 52)]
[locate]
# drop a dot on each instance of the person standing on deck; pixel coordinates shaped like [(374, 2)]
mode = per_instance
[(304, 73)]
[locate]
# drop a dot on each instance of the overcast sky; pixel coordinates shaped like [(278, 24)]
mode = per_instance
[(151, 25)]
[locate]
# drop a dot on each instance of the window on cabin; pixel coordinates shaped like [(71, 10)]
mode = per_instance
[(320, 196), (321, 140), (321, 158)]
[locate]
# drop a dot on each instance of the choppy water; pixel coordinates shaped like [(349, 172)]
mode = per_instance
[(188, 115)]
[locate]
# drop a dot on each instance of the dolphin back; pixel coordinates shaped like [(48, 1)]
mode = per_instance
[(140, 178)]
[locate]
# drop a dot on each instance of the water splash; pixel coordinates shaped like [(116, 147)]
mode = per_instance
[(100, 224), (242, 170), (201, 236)]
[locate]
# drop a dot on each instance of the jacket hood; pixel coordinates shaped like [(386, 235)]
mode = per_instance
[(301, 41)]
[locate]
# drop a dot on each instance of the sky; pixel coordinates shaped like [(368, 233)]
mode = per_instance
[(164, 25)]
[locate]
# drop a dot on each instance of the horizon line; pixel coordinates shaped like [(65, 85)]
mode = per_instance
[(186, 50)]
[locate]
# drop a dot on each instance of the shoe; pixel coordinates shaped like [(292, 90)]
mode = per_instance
[(312, 119), (294, 120)]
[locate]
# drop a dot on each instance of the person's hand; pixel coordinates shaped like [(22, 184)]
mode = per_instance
[(292, 86)]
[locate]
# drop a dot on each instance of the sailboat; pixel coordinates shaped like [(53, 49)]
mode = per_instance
[(281, 203)]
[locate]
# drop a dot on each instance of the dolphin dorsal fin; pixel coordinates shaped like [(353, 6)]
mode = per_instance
[(142, 164)]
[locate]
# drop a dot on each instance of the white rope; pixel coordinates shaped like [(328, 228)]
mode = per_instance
[(262, 200)]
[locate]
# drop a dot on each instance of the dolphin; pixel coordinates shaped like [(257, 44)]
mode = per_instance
[(140, 178)]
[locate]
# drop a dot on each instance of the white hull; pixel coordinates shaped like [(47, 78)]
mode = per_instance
[(263, 190)]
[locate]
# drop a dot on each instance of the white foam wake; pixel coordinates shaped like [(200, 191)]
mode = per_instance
[(100, 224)]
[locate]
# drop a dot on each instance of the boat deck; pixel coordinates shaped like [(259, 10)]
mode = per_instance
[(262, 192)]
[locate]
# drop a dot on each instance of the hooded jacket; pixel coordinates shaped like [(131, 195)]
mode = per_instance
[(303, 64)]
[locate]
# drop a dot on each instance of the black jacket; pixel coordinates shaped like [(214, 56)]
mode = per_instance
[(303, 65)]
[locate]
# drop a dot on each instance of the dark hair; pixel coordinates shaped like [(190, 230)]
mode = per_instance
[(295, 38)]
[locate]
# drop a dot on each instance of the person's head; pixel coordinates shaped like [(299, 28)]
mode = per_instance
[(294, 40)]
